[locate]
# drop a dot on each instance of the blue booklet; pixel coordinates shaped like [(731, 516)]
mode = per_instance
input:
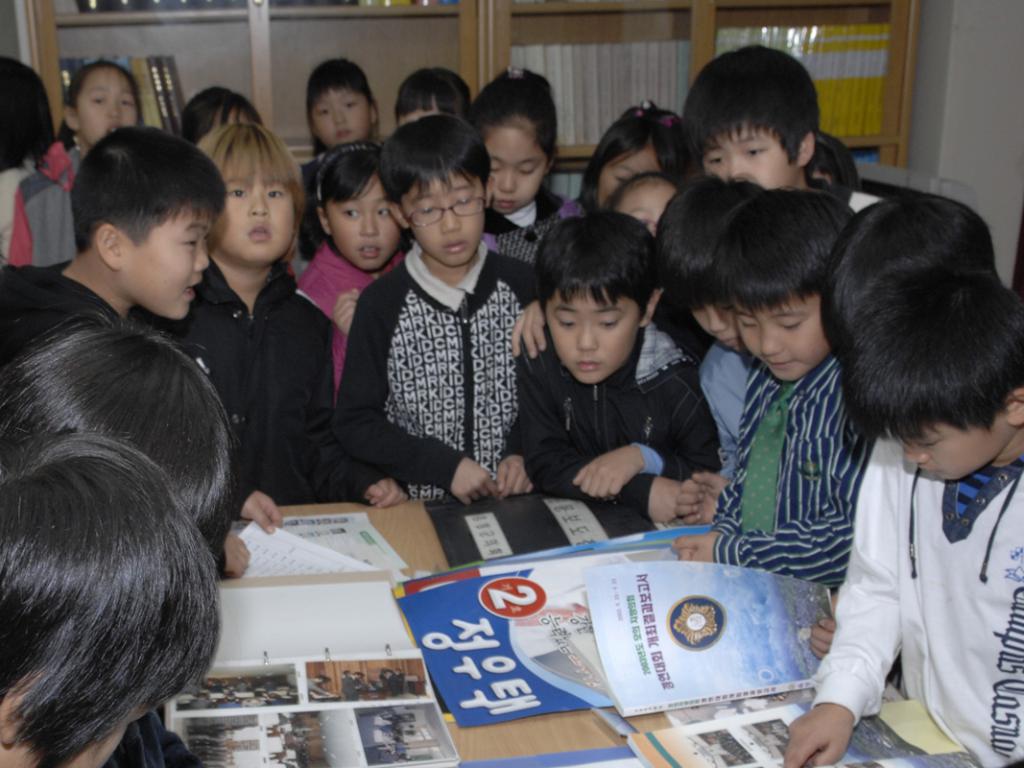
[(675, 634), (513, 641)]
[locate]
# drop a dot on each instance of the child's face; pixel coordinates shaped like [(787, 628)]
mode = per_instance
[(258, 224), (788, 338), (518, 167), (104, 104), (720, 322), (647, 202), (449, 240), (159, 273), (624, 167), (757, 156), (363, 229), (594, 340), (950, 453), (340, 116)]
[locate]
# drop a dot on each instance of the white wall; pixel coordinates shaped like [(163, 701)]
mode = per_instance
[(968, 115)]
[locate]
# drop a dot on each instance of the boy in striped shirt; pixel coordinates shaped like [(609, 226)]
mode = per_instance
[(789, 508)]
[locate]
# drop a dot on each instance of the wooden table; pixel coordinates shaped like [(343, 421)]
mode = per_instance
[(408, 529)]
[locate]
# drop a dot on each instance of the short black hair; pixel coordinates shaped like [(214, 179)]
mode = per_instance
[(432, 149), (754, 87), (432, 88), (833, 159), (343, 174), (212, 107), (65, 134), (514, 97), (334, 75), (26, 128), (688, 234), (108, 593), (635, 129), (776, 247), (604, 255), (894, 237), (940, 348), (139, 178), (640, 180), (123, 379)]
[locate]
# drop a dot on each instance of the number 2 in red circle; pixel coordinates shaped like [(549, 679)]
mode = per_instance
[(512, 597)]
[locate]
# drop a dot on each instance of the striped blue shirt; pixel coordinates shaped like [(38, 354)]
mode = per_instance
[(823, 461)]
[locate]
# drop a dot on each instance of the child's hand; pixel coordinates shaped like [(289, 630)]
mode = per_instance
[(822, 634), (385, 493), (698, 500), (699, 548), (512, 479), (529, 331), (262, 510), (345, 309), (472, 482), (605, 476), (661, 503), (236, 556), (820, 737)]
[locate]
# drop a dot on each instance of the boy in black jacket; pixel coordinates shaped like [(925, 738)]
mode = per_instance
[(612, 408), (428, 395)]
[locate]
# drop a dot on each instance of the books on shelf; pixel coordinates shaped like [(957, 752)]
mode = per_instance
[(593, 83), (673, 634), (902, 735), (301, 678), (160, 93), (847, 62), (495, 528)]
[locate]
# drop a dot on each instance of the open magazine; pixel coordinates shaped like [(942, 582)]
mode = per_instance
[(902, 736), (312, 712)]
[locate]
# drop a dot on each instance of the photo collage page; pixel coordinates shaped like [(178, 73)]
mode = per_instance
[(314, 713)]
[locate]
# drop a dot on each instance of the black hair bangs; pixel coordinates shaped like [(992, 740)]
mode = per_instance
[(688, 235), (748, 89), (942, 348), (433, 88), (604, 255), (776, 247), (433, 148)]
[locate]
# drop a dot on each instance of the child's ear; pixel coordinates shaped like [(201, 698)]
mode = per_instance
[(9, 719), (71, 118), (396, 211), (1015, 408), (325, 223), (652, 304), (111, 244), (805, 151)]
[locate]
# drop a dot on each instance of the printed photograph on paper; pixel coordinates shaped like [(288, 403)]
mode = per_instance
[(369, 680), (242, 688)]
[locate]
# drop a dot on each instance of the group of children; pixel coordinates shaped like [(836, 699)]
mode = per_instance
[(710, 334)]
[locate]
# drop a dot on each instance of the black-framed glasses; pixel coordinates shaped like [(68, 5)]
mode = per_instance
[(424, 217)]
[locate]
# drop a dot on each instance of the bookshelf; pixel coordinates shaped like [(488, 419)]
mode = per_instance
[(265, 49), (262, 48), (700, 28)]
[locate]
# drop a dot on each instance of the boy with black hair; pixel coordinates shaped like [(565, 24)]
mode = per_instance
[(789, 507), (752, 114), (689, 231), (936, 571), (940, 537), (612, 408), (428, 395), (109, 598), (143, 202)]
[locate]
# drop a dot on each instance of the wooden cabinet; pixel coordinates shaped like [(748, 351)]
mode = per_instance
[(266, 51)]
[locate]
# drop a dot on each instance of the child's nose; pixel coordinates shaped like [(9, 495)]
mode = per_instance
[(586, 339), (368, 225), (506, 182), (449, 221)]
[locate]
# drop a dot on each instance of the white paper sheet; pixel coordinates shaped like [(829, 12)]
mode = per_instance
[(284, 554), (352, 534)]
